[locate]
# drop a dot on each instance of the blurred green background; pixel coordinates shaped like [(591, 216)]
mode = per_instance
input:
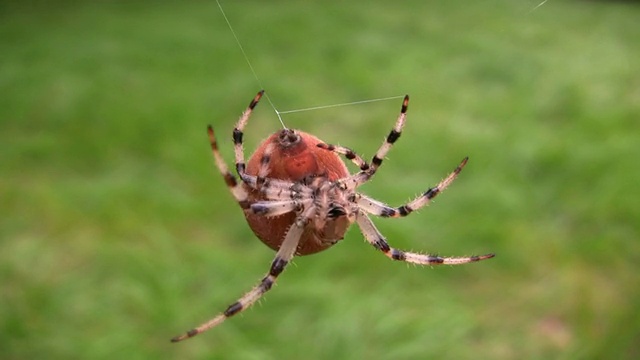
[(117, 232)]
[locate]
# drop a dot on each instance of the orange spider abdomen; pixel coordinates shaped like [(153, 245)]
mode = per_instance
[(295, 156)]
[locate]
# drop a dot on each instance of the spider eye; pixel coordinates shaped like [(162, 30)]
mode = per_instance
[(335, 212)]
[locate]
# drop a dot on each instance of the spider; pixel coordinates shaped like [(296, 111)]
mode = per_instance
[(299, 198)]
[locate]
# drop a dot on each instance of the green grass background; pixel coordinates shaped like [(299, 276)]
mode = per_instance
[(117, 232)]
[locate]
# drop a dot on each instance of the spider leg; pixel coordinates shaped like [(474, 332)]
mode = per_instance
[(394, 134), (276, 189), (276, 208), (348, 153), (239, 193), (238, 134), (377, 208), (364, 175), (375, 238), (283, 256)]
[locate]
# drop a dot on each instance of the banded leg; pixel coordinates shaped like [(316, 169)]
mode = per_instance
[(378, 208), (276, 208), (275, 189), (239, 193), (348, 153), (363, 176), (283, 256), (238, 134), (375, 238)]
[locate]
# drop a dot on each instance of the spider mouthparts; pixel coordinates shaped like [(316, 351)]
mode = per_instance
[(288, 138)]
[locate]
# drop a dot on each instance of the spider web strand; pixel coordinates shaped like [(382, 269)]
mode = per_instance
[(246, 58), (342, 104), (255, 75)]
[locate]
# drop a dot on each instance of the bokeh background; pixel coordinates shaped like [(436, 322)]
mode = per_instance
[(117, 232)]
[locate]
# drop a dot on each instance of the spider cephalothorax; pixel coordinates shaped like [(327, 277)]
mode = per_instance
[(299, 198)]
